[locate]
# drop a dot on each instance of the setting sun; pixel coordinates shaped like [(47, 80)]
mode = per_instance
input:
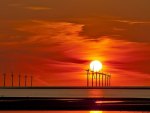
[(96, 112), (95, 65)]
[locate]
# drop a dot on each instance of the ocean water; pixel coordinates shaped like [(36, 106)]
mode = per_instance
[(75, 93)]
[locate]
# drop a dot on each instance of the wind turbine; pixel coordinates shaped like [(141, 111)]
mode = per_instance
[(96, 78), (88, 77), (4, 78), (102, 79), (99, 79), (25, 80), (92, 78), (19, 79), (12, 79), (106, 79), (31, 80), (109, 79)]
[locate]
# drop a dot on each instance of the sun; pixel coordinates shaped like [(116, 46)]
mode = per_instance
[(96, 65), (96, 112)]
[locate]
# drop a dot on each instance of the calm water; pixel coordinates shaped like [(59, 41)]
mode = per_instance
[(128, 93)]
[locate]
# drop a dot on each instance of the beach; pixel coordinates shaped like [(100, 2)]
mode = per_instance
[(76, 98)]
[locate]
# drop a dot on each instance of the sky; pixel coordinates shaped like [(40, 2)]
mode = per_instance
[(55, 40)]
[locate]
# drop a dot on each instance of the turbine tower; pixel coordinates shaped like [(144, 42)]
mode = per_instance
[(12, 79), (88, 77), (31, 80), (99, 79), (92, 78), (102, 79), (109, 79), (96, 79), (25, 82), (4, 78), (106, 79), (19, 80)]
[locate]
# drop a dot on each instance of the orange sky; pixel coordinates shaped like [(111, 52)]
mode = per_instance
[(56, 40)]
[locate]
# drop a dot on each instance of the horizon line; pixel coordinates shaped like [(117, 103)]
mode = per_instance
[(75, 87)]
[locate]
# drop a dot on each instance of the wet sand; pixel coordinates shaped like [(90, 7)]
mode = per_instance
[(44, 103), (75, 98)]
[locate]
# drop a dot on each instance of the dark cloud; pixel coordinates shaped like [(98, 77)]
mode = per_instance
[(136, 31), (129, 20)]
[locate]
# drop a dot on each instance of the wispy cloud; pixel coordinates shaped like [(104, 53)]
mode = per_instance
[(56, 52), (38, 8), (34, 8), (132, 21), (118, 29), (15, 5)]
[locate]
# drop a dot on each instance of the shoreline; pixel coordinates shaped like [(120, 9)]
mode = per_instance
[(76, 87)]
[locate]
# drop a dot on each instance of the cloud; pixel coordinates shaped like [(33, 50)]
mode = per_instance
[(37, 8), (56, 52), (118, 29), (134, 31), (119, 24), (131, 22), (15, 5)]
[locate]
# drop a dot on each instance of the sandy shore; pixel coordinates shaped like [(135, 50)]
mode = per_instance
[(44, 103)]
